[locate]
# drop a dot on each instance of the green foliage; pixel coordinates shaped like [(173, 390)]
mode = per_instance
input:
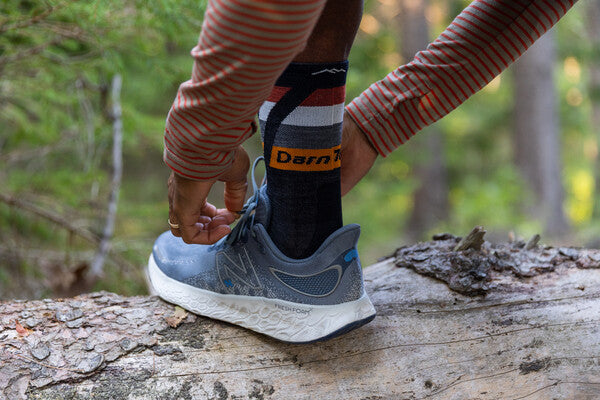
[(57, 59)]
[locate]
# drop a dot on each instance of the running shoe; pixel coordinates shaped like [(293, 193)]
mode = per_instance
[(245, 280)]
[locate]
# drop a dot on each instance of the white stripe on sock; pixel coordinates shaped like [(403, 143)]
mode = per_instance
[(308, 116)]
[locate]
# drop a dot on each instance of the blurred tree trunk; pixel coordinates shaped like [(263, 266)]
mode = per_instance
[(537, 136), (430, 200), (593, 28)]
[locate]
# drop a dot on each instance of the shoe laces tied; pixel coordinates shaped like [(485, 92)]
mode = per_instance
[(248, 212)]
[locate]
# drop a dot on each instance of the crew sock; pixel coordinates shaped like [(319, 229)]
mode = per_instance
[(301, 125)]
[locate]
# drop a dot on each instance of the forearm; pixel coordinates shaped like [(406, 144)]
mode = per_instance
[(243, 48), (480, 43)]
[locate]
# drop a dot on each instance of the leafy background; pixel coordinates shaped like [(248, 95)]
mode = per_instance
[(57, 59)]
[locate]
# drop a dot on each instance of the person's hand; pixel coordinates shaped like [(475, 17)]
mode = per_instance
[(358, 155), (193, 218)]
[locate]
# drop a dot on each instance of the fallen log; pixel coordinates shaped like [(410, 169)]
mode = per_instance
[(525, 325)]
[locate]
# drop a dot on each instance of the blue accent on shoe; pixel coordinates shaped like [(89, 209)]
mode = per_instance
[(228, 283), (351, 255)]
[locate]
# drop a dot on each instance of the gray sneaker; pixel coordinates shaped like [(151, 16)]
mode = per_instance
[(245, 280)]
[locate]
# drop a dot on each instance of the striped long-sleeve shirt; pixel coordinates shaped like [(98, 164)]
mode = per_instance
[(245, 45)]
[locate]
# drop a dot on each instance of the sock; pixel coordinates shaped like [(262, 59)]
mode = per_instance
[(301, 124)]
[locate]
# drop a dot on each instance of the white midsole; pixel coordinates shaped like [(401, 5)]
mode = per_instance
[(283, 320)]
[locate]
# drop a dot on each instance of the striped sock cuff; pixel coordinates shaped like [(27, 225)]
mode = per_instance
[(305, 111)]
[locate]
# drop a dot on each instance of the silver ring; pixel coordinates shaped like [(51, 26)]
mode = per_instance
[(172, 225)]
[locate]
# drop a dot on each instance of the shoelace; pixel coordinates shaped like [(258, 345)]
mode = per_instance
[(248, 212)]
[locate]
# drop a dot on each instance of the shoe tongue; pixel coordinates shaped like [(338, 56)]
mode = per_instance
[(262, 213)]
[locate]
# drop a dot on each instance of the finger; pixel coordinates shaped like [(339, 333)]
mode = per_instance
[(170, 195), (211, 236), (217, 221), (173, 221), (193, 224), (188, 203), (209, 210), (191, 221), (203, 219), (191, 231), (228, 215), (235, 194), (175, 231), (235, 180)]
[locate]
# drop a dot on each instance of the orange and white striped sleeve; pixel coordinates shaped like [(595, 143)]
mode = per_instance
[(478, 45), (243, 48)]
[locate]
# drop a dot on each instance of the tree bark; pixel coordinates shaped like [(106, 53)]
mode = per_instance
[(536, 134), (430, 199), (527, 326)]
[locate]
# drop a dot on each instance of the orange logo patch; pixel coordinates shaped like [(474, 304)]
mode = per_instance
[(305, 159)]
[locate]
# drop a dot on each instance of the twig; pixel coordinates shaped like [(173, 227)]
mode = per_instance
[(50, 216), (98, 263), (62, 222), (31, 21), (70, 31), (532, 242), (20, 155), (29, 52), (473, 240)]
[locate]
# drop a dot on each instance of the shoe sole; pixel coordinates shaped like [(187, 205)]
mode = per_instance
[(280, 319)]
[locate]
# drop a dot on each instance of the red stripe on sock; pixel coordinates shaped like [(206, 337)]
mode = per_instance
[(320, 97), (326, 97), (277, 93)]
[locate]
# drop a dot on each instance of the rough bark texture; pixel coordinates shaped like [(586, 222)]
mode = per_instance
[(535, 334)]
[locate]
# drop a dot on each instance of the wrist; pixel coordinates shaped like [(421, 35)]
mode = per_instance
[(354, 140)]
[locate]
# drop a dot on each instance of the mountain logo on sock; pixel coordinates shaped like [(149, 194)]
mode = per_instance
[(330, 70), (306, 159), (316, 285)]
